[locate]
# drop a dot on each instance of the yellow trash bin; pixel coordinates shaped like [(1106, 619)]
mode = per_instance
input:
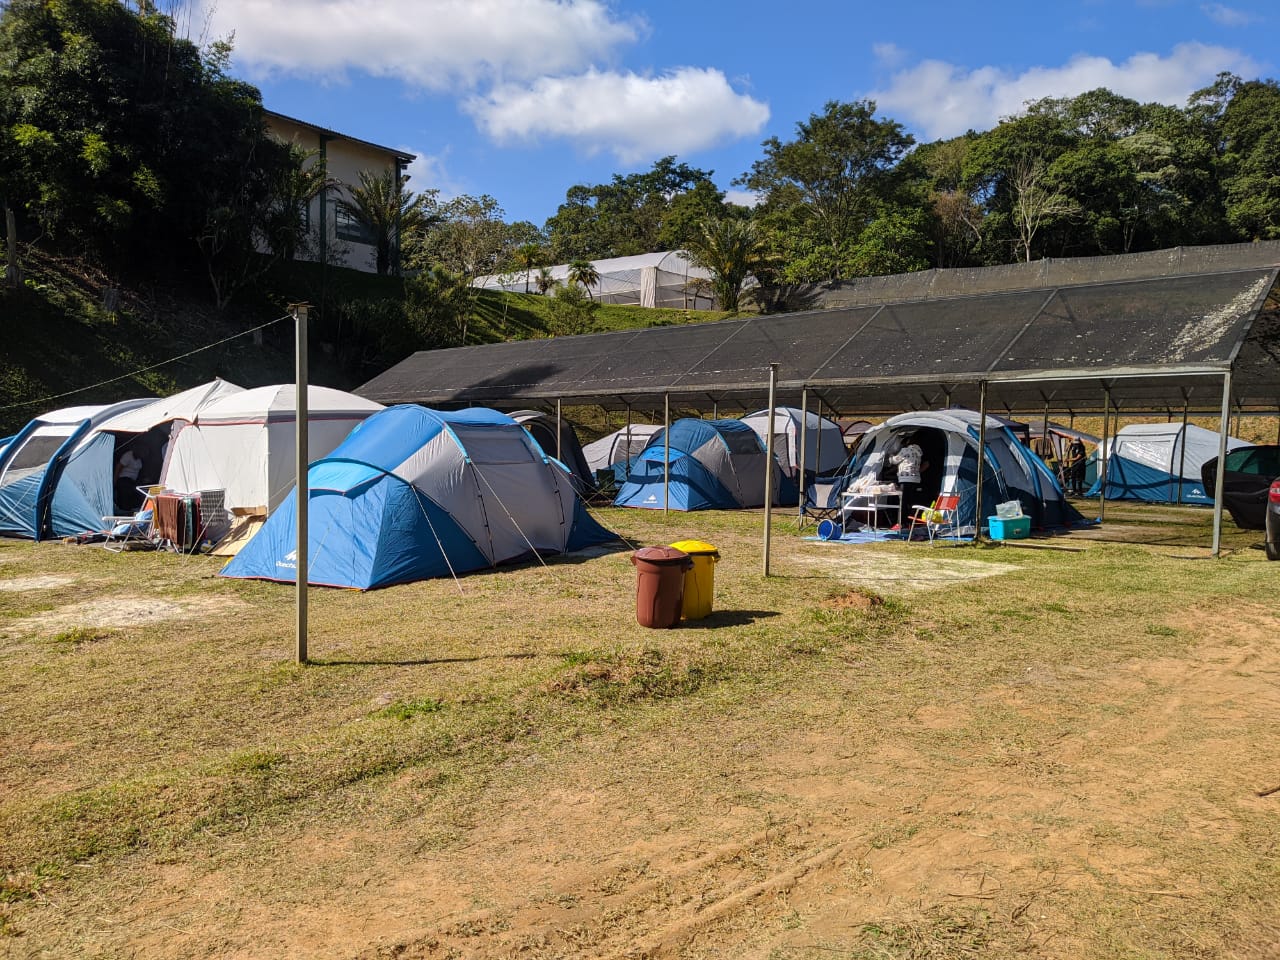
[(700, 581)]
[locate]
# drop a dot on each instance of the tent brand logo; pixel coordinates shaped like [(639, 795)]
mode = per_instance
[(290, 561), (651, 498)]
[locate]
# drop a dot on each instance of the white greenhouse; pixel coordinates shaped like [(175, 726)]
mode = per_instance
[(664, 279)]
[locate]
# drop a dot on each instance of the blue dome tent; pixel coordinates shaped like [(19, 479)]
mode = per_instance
[(414, 493), (715, 465)]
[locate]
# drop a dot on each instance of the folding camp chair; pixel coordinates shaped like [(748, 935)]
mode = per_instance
[(822, 501), (941, 515)]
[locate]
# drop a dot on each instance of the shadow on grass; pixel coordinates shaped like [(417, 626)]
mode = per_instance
[(727, 618), (425, 662)]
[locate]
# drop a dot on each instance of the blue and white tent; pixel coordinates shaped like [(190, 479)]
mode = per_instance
[(949, 441), (414, 493), (56, 473), (714, 465), (1160, 463)]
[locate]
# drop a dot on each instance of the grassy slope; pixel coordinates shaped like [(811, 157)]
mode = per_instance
[(59, 337)]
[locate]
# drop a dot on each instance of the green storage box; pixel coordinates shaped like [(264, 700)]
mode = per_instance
[(1012, 528)]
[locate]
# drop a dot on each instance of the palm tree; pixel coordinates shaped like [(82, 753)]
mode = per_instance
[(730, 250), (544, 280), (584, 272), (386, 211), (528, 256)]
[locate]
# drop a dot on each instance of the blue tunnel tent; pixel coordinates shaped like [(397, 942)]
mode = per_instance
[(414, 493), (949, 440), (56, 473), (714, 465), (1158, 462)]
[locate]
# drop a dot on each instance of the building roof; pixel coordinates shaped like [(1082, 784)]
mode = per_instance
[(1154, 343), (326, 132)]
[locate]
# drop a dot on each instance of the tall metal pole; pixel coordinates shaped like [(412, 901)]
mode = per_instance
[(804, 443), (982, 458), (1104, 454), (1224, 424), (768, 467), (666, 452), (300, 479), (628, 446), (1182, 460), (559, 427)]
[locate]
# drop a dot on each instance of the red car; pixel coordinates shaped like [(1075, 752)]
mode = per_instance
[(1273, 521)]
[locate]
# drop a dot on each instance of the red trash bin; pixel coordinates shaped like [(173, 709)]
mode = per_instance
[(660, 585)]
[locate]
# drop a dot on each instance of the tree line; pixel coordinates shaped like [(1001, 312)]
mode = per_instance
[(126, 143)]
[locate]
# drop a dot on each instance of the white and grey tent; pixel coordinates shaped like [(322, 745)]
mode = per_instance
[(619, 446), (949, 441), (1159, 462), (824, 449), (243, 444)]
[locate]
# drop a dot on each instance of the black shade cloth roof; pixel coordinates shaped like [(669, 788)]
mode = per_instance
[(1155, 343)]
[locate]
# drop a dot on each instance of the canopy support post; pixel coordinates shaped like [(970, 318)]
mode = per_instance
[(302, 494), (768, 467), (666, 453), (1044, 428), (1103, 457), (559, 427), (1182, 460), (627, 448), (1218, 480), (804, 443), (982, 459)]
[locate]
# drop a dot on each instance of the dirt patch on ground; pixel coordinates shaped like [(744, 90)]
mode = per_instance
[(18, 584), (117, 612), (854, 600), (896, 573)]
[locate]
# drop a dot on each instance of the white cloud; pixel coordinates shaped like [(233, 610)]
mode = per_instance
[(428, 172), (888, 54), (434, 44), (635, 117), (742, 198), (942, 100), (1226, 16)]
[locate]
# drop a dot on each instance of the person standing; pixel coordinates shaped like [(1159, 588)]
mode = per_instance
[(127, 496), (910, 463), (1075, 467)]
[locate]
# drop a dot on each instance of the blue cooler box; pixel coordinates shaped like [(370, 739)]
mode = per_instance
[(1012, 528)]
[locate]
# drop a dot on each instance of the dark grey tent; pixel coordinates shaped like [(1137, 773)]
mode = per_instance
[(566, 449)]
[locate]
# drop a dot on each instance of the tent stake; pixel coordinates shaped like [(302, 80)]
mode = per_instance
[(1223, 425), (982, 458), (666, 453), (300, 467), (804, 440), (768, 467)]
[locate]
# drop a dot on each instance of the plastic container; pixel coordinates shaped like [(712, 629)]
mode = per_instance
[(700, 580), (659, 585), (1014, 528), (1009, 510), (830, 530)]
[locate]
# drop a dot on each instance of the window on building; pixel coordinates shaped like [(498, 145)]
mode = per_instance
[(347, 227)]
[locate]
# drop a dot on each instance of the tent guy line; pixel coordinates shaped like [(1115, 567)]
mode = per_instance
[(154, 366)]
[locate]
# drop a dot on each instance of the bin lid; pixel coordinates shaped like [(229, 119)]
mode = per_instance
[(697, 548), (660, 555)]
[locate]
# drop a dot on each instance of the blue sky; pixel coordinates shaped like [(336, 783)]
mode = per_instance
[(521, 99)]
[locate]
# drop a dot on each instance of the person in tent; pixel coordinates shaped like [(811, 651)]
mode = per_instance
[(910, 463), (128, 466), (1074, 467)]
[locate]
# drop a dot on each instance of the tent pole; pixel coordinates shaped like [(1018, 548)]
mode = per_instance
[(982, 459), (559, 427), (715, 409), (1103, 458), (1182, 460), (302, 494), (627, 448), (804, 441), (666, 453), (1218, 480), (768, 467)]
